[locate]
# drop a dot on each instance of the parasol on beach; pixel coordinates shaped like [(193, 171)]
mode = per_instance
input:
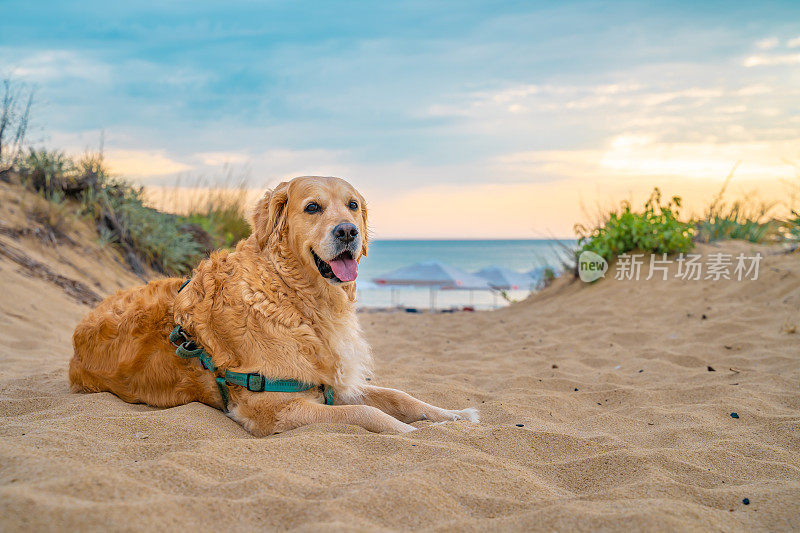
[(505, 279), (435, 275), (366, 286)]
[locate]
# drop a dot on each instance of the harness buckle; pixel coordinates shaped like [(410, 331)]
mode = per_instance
[(255, 382), (179, 337)]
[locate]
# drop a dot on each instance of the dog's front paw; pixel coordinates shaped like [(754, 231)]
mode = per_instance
[(469, 414)]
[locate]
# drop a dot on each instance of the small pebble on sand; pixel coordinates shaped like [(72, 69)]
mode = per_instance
[(520, 425), (734, 415), (746, 501)]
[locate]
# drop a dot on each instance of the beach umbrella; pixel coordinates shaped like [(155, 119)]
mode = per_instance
[(435, 275), (505, 278), (366, 286)]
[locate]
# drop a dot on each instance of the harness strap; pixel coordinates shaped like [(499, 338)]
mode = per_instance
[(186, 348), (224, 391), (185, 283)]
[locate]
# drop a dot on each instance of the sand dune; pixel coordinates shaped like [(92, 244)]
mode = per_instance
[(623, 424)]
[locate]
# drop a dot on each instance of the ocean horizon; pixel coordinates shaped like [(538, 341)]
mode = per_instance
[(386, 255)]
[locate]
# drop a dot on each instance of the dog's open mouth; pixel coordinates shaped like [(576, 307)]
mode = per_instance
[(341, 268)]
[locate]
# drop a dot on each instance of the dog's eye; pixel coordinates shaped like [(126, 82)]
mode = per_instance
[(313, 207), (353, 205)]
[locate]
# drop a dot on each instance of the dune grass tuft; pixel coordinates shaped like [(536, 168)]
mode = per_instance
[(147, 236), (791, 229), (659, 229), (655, 229), (222, 213), (738, 221), (743, 219), (167, 243)]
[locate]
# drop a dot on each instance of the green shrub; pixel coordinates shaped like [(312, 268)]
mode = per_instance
[(656, 229)]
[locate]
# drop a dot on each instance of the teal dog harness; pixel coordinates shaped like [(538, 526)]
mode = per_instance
[(187, 348)]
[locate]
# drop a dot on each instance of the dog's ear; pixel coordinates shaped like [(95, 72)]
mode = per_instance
[(364, 227), (269, 216)]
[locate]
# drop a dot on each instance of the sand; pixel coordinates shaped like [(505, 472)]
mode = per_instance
[(624, 427)]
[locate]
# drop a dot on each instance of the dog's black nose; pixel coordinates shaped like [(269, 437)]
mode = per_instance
[(345, 232)]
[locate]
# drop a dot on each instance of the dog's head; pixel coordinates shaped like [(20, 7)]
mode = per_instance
[(322, 222)]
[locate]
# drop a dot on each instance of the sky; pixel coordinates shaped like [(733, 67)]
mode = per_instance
[(455, 119)]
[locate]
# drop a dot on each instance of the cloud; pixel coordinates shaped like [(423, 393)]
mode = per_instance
[(752, 90), (783, 59), (214, 159), (793, 43), (636, 156), (768, 44), (283, 163), (518, 98), (556, 98), (702, 161), (50, 66), (143, 164), (156, 168), (515, 93)]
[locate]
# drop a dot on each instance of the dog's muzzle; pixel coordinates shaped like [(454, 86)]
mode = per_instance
[(342, 268)]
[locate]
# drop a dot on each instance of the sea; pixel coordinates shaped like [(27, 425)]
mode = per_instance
[(470, 255)]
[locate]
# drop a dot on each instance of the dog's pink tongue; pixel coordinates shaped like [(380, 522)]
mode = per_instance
[(345, 269)]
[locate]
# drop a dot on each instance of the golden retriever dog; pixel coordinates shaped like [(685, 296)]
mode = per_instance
[(280, 306)]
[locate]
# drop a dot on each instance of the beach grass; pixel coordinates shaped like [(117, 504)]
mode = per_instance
[(168, 243), (216, 205), (657, 228), (746, 219), (790, 229)]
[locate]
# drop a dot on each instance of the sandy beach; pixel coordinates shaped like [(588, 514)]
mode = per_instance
[(484, 172), (600, 410)]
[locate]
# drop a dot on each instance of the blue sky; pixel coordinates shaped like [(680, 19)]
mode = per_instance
[(520, 111)]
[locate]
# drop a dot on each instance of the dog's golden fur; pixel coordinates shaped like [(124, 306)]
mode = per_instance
[(266, 308)]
